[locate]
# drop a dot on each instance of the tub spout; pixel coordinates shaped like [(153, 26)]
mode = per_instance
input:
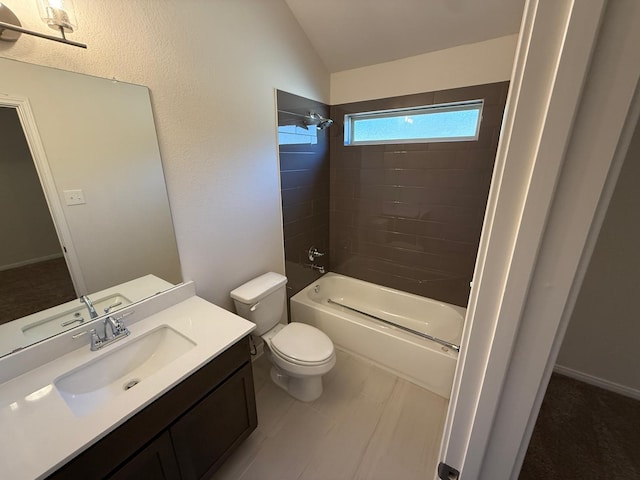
[(318, 268)]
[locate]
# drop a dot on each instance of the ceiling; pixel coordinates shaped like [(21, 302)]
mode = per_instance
[(354, 33)]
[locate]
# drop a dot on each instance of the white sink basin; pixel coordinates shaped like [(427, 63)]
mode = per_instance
[(90, 385), (71, 317)]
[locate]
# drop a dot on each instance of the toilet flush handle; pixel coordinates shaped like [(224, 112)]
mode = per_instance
[(253, 307)]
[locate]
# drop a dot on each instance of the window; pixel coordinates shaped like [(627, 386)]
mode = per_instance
[(435, 123)]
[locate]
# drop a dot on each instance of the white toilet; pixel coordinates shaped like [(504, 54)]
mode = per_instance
[(300, 354)]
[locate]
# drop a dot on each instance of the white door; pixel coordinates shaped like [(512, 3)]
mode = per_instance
[(569, 119)]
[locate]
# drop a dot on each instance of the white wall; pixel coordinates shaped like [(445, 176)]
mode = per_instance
[(602, 336), (212, 68), (28, 233), (472, 64)]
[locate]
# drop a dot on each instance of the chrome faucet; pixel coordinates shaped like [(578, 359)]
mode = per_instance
[(313, 253), (87, 301), (118, 331), (318, 268), (112, 306)]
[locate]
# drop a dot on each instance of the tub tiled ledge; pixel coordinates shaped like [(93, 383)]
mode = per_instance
[(42, 430)]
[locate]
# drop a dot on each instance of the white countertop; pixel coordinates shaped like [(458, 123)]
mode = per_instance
[(40, 433)]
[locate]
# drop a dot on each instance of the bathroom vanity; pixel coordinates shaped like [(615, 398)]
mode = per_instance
[(185, 434), (170, 401)]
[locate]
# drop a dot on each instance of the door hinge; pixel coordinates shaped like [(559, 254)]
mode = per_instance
[(445, 472)]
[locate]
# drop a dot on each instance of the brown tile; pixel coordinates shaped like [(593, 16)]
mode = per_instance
[(320, 204), (297, 161), (342, 218), (297, 178), (410, 178), (297, 195), (491, 93), (368, 249), (401, 209), (297, 211), (492, 115), (344, 190)]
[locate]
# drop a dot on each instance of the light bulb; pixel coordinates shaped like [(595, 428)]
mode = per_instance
[(58, 14)]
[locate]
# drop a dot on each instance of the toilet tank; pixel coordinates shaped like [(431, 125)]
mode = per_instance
[(261, 301)]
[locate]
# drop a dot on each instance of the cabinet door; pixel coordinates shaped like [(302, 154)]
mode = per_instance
[(157, 461), (206, 435)]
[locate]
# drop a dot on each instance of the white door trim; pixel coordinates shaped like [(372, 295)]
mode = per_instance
[(29, 125), (552, 60), (608, 117)]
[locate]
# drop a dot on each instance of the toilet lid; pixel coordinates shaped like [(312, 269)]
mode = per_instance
[(302, 343)]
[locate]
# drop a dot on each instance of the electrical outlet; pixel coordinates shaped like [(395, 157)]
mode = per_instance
[(74, 197)]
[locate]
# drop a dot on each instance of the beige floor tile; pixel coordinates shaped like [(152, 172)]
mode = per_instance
[(406, 437), (272, 404), (368, 424), (339, 453), (242, 458), (288, 452), (352, 377)]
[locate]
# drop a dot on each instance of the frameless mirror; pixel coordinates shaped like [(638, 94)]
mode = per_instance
[(83, 202)]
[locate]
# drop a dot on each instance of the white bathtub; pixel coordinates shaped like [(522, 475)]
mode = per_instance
[(410, 356)]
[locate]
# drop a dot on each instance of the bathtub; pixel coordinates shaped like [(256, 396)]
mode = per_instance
[(419, 360)]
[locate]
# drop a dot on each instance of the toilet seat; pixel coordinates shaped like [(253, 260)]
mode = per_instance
[(302, 344)]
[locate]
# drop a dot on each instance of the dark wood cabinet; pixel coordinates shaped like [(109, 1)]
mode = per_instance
[(184, 435), (214, 427), (157, 461)]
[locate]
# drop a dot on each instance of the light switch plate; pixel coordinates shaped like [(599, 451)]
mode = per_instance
[(74, 197)]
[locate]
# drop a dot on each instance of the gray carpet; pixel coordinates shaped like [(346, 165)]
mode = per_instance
[(584, 432), (34, 287)]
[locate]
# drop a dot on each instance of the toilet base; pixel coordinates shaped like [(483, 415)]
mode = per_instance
[(305, 389)]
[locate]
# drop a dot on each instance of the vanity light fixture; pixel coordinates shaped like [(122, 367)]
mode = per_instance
[(57, 14)]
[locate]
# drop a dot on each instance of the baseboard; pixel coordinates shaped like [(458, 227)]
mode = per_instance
[(598, 382), (30, 261)]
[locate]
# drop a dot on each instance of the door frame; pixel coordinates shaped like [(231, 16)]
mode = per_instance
[(567, 124), (47, 182)]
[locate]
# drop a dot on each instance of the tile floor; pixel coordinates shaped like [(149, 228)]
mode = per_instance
[(368, 424)]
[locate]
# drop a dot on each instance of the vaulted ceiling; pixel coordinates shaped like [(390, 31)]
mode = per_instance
[(354, 33)]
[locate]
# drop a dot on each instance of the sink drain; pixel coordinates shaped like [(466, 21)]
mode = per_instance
[(131, 384)]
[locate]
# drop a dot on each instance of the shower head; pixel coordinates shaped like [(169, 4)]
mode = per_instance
[(324, 124), (318, 120)]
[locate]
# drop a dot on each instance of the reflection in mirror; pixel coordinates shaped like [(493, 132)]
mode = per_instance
[(83, 201), (33, 272), (41, 325)]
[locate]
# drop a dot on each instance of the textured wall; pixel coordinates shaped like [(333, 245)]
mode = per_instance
[(304, 174), (212, 67), (409, 216)]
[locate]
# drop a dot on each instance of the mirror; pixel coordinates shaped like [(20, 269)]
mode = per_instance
[(83, 201)]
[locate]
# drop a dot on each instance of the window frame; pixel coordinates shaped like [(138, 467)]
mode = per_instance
[(350, 118)]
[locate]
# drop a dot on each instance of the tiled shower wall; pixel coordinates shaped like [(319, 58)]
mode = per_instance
[(304, 177), (409, 216)]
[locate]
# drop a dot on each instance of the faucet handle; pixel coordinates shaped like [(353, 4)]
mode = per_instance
[(314, 253), (96, 341), (112, 306)]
